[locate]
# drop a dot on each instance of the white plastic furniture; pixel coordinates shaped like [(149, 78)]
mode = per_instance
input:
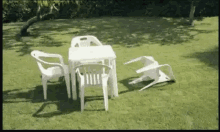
[(57, 70), (93, 75), (151, 71), (97, 53), (85, 41)]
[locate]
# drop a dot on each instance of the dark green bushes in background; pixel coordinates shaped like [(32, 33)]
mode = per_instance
[(15, 11)]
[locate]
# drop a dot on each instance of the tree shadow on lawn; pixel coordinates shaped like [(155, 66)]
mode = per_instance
[(134, 31), (138, 86), (127, 31), (56, 95), (24, 44), (209, 57)]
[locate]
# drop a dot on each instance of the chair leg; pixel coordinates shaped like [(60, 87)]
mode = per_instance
[(82, 97), (112, 92), (67, 80), (110, 84), (171, 73), (105, 94), (154, 82), (103, 62), (44, 83), (138, 80)]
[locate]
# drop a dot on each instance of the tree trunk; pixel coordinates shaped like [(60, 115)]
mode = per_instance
[(177, 9), (30, 22), (35, 19), (191, 14)]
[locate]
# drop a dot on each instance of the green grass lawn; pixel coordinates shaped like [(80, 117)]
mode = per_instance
[(189, 103)]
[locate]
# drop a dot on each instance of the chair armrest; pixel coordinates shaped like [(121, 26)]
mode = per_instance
[(48, 55), (49, 63), (57, 56)]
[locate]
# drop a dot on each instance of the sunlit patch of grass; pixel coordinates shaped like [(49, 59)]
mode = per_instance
[(189, 103)]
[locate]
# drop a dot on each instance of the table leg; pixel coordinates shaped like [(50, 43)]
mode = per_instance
[(73, 78), (114, 78), (110, 84)]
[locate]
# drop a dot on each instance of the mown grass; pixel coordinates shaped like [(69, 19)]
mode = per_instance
[(189, 103)]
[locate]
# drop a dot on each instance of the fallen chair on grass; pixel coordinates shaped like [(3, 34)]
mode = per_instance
[(151, 71)]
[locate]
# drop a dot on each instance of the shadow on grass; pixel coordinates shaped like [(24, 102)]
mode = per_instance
[(209, 57), (132, 31), (23, 45), (25, 49), (127, 31), (63, 107), (138, 86), (56, 95)]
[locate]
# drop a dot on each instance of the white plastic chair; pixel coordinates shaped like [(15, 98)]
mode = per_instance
[(57, 70), (86, 41), (93, 75), (151, 71)]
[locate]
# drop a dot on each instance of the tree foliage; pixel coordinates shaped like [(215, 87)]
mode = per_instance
[(22, 10)]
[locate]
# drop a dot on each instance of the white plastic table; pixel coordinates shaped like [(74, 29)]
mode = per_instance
[(105, 52)]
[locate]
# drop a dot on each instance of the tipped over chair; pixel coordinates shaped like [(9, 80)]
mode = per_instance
[(55, 71), (151, 71), (93, 75)]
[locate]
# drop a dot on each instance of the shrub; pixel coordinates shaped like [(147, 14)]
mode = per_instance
[(15, 11)]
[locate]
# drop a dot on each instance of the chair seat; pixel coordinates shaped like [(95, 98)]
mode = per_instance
[(56, 71)]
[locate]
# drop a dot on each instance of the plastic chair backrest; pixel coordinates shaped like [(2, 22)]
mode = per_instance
[(85, 41), (92, 73)]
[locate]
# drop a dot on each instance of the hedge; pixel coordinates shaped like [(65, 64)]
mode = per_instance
[(14, 11)]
